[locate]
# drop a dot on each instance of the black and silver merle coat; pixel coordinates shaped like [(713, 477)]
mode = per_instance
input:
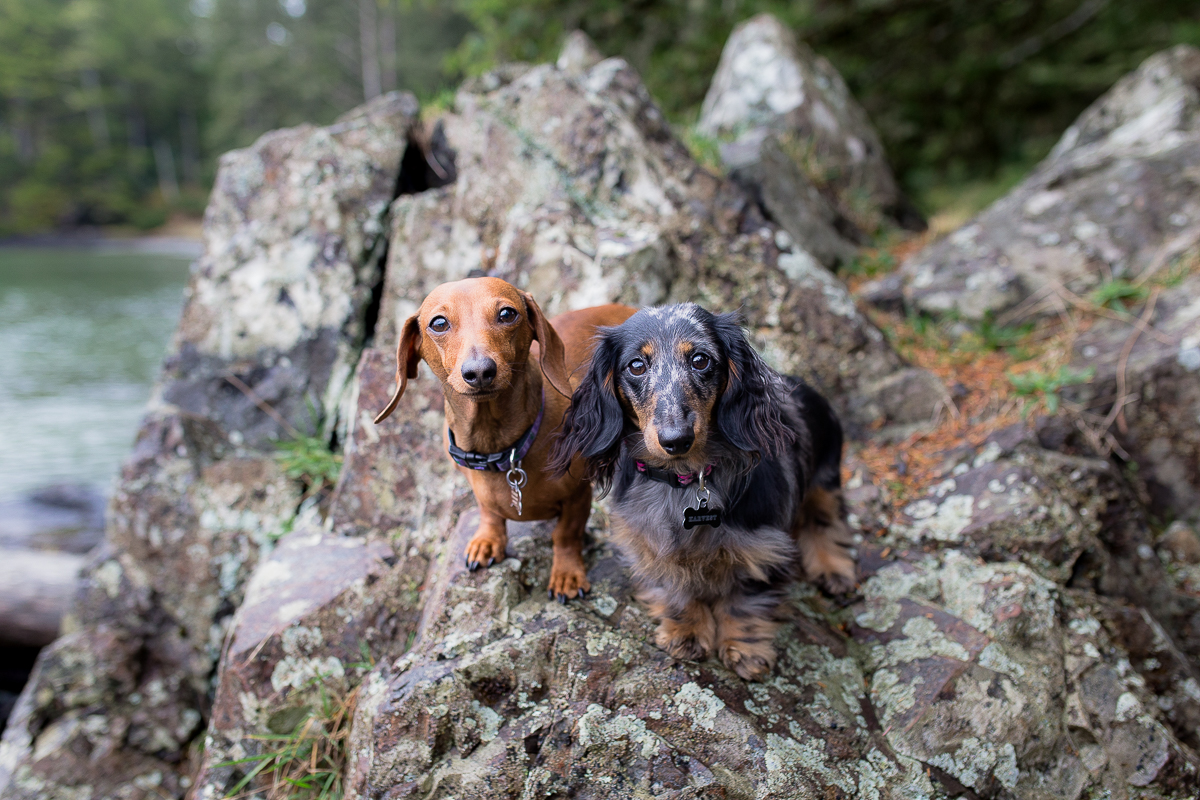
[(680, 390)]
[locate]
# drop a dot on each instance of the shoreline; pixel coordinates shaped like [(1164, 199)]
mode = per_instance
[(179, 237)]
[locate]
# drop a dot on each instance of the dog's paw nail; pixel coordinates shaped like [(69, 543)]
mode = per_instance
[(467, 563), (491, 561), (550, 593), (562, 599), (581, 594), (474, 566)]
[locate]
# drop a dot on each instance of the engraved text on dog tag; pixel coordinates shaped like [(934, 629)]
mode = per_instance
[(701, 516)]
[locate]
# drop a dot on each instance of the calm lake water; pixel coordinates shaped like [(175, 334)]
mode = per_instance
[(82, 334)]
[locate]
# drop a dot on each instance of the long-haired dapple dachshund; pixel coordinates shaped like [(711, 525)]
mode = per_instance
[(480, 336), (725, 478)]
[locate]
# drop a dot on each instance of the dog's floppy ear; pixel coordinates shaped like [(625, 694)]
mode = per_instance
[(747, 415), (408, 355), (554, 355), (594, 422)]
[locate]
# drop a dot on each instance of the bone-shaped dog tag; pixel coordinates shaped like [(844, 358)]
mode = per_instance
[(701, 516)]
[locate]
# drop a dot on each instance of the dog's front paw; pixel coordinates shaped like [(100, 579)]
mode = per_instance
[(484, 550), (691, 636), (836, 582), (680, 644), (827, 562), (568, 579), (752, 661)]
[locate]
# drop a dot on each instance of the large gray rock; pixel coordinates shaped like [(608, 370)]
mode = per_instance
[(769, 85), (293, 235), (1117, 195), (574, 188), (1161, 425)]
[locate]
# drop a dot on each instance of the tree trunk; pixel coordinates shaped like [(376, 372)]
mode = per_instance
[(164, 165), (97, 120), (368, 33), (387, 45), (35, 588)]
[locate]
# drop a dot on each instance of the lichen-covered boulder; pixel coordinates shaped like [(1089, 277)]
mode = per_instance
[(292, 238), (508, 694), (316, 613), (270, 334), (1003, 685), (770, 86), (1160, 406), (573, 187), (1116, 196)]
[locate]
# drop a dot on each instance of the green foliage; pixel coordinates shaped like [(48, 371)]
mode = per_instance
[(304, 757), (705, 149), (113, 111), (308, 458), (990, 336), (870, 264), (956, 89), (1115, 293), (1045, 386)]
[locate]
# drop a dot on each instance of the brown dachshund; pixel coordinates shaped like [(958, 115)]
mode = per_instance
[(479, 336)]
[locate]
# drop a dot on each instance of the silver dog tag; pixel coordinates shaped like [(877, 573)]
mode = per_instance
[(702, 514), (516, 478)]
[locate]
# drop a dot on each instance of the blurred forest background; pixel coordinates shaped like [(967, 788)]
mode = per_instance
[(114, 111)]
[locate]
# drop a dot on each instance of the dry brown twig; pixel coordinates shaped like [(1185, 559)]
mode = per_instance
[(1117, 413)]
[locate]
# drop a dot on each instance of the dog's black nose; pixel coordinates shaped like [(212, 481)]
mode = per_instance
[(678, 442), (479, 372)]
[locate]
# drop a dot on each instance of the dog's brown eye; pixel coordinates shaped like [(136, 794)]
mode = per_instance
[(700, 362), (439, 324), (637, 367), (507, 315)]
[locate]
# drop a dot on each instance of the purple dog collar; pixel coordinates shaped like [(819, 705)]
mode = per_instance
[(668, 477), (505, 460)]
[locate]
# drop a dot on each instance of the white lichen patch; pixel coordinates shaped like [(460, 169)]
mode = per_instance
[(903, 580), (604, 604), (1128, 707), (994, 658), (891, 695), (699, 704), (974, 760), (786, 759), (879, 616), (298, 673), (488, 720), (602, 728), (943, 522)]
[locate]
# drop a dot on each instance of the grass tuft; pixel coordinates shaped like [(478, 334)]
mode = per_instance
[(306, 762), (308, 458), (1045, 386), (1116, 293)]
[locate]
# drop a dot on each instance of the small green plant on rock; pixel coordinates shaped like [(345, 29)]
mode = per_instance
[(871, 264), (1117, 292), (304, 757), (704, 148), (308, 459), (988, 335), (1045, 386)]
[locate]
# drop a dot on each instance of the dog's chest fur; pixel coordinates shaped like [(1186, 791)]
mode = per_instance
[(753, 542)]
